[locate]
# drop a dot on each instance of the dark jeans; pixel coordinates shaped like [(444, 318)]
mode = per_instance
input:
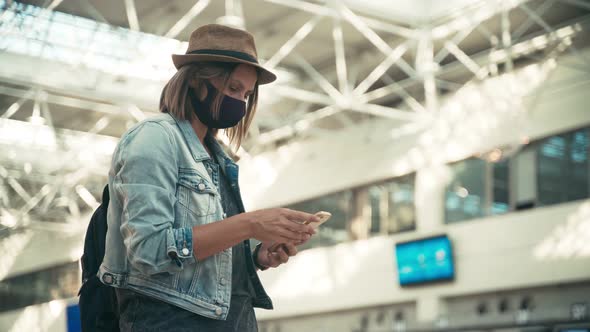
[(142, 313)]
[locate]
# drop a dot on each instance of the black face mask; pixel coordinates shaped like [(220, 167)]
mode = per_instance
[(231, 110)]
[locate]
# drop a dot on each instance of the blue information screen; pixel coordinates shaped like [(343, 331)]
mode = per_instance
[(425, 260), (73, 318)]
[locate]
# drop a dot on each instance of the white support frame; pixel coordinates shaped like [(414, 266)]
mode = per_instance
[(54, 4), (328, 11), (381, 69), (183, 22), (292, 42), (234, 15), (427, 67), (318, 78), (132, 15), (341, 70), (339, 93)]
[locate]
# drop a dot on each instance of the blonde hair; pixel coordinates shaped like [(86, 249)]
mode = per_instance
[(175, 99)]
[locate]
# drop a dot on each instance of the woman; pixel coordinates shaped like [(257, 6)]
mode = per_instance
[(177, 244)]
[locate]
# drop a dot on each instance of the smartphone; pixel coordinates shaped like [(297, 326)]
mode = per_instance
[(322, 215)]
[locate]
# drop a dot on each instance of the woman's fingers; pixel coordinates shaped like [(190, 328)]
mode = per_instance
[(289, 249), (289, 235), (278, 257), (283, 225), (283, 257), (300, 216), (279, 253), (298, 227), (296, 232)]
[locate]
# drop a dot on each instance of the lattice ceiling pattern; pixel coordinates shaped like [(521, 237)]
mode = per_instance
[(79, 73)]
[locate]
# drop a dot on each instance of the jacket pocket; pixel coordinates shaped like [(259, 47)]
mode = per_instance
[(195, 193)]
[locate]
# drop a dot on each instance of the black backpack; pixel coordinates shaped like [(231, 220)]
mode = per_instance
[(98, 302)]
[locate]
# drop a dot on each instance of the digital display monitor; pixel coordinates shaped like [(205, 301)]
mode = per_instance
[(73, 318), (425, 260)]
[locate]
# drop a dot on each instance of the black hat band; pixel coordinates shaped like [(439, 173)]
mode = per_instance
[(234, 54)]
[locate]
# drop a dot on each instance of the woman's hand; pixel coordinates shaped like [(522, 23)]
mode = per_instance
[(268, 258), (281, 225)]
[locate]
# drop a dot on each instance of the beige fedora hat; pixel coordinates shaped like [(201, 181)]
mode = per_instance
[(214, 42)]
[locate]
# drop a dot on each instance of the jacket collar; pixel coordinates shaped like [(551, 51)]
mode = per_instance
[(196, 148), (192, 140), (217, 150)]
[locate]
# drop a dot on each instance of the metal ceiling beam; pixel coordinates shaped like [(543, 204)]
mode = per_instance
[(479, 72), (540, 21), (472, 16), (333, 101), (234, 15), (408, 99), (365, 28), (350, 103), (326, 11), (292, 42), (341, 70), (132, 15), (426, 60), (183, 22), (462, 24), (303, 95), (15, 185), (320, 80), (54, 4), (23, 95), (385, 112), (457, 39), (507, 38), (62, 100), (381, 69), (373, 37), (93, 12), (305, 121), (426, 68), (518, 32), (302, 124), (483, 57)]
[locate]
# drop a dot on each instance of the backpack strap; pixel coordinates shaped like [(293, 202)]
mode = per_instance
[(105, 195), (101, 228)]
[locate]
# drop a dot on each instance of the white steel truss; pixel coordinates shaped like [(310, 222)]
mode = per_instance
[(399, 77)]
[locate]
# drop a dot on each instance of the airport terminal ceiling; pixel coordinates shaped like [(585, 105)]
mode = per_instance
[(339, 63)]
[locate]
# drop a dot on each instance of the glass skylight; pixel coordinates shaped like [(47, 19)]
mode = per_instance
[(51, 35)]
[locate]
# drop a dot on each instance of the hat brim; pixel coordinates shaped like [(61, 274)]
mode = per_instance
[(264, 75)]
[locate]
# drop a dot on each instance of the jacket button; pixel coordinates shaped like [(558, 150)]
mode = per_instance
[(218, 311), (107, 278), (222, 281), (185, 251), (201, 186), (224, 215)]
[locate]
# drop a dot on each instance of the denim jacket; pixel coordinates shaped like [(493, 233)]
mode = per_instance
[(159, 189)]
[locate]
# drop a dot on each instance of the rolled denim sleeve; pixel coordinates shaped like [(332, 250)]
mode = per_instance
[(144, 178)]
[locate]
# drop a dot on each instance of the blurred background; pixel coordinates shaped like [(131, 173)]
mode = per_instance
[(449, 139)]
